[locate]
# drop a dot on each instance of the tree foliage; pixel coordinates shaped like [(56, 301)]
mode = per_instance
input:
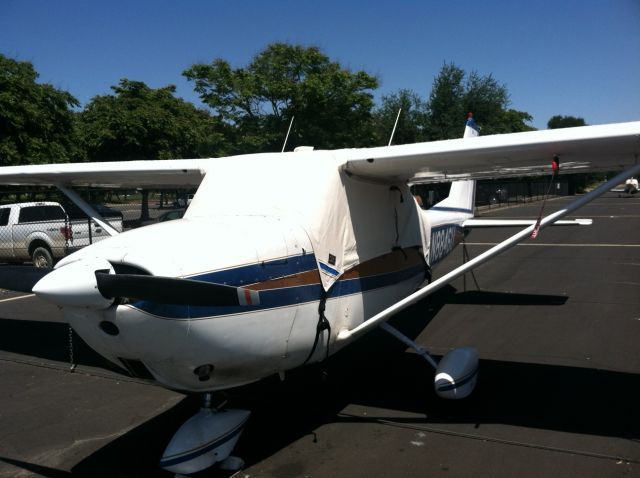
[(332, 105), (249, 111), (411, 122), (560, 121), (454, 94), (139, 122), (36, 120)]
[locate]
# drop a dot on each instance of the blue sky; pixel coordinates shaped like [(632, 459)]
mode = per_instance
[(568, 57)]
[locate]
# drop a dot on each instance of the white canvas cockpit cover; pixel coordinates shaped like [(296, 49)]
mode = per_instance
[(348, 221)]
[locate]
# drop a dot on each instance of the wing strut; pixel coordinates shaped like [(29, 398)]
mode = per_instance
[(383, 316), (87, 209)]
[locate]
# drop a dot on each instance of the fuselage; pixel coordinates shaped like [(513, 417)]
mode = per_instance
[(284, 256)]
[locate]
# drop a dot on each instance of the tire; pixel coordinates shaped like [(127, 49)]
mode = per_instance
[(41, 257)]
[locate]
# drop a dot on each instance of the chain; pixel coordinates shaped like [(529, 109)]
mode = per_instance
[(72, 365)]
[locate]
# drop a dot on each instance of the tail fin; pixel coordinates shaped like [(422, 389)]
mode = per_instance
[(463, 193), (461, 198), (471, 128)]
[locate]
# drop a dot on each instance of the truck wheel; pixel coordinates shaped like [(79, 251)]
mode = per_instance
[(41, 257)]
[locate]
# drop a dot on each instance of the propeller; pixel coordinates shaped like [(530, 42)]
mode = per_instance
[(94, 284), (169, 290)]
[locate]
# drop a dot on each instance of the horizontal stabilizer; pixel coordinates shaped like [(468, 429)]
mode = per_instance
[(522, 222)]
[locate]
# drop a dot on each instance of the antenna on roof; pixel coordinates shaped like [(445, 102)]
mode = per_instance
[(394, 126), (287, 137)]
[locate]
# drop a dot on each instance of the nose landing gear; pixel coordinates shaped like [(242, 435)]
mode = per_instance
[(208, 437)]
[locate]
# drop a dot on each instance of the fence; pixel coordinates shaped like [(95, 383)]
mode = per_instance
[(492, 193), (500, 193)]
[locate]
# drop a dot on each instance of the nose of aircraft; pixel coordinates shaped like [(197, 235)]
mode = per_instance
[(98, 277), (75, 285), (131, 266)]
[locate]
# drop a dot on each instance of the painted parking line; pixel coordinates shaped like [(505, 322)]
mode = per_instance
[(17, 298)]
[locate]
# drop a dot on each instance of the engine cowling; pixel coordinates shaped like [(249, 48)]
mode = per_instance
[(457, 373)]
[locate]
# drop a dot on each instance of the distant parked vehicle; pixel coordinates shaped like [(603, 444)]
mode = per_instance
[(500, 195), (43, 232), (183, 201), (171, 215)]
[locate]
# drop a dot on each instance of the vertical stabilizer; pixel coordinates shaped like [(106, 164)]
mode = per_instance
[(461, 198), (463, 193), (471, 128)]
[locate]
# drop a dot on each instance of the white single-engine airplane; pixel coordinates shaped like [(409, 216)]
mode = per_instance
[(283, 259)]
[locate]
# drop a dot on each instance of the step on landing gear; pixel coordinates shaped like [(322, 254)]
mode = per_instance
[(208, 437)]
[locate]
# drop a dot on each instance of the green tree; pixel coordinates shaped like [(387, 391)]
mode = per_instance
[(332, 105), (36, 120), (560, 121), (445, 107), (411, 123), (454, 94), (138, 122), (513, 121)]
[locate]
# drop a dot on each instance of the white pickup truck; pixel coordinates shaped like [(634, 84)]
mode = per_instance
[(43, 232)]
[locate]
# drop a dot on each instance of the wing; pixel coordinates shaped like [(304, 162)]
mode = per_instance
[(588, 148), (118, 174)]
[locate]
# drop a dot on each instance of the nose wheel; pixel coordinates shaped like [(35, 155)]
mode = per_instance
[(207, 438)]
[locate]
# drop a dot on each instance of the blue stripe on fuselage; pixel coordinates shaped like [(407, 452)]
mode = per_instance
[(263, 271), (280, 297)]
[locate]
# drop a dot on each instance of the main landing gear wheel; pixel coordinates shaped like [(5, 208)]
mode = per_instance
[(456, 372)]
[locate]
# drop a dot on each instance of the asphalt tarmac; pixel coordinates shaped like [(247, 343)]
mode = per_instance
[(556, 322)]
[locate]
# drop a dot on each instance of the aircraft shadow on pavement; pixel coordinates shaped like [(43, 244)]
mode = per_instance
[(377, 372), (48, 341), (483, 297), (550, 397), (37, 470)]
